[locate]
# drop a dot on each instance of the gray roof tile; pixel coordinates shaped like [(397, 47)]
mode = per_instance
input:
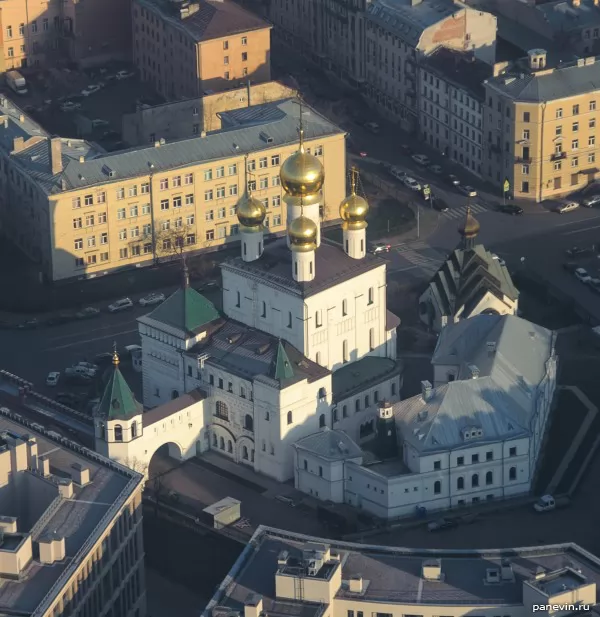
[(330, 444)]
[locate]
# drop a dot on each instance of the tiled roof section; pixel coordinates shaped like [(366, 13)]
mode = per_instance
[(466, 276), (460, 69), (100, 167), (249, 353), (118, 401), (330, 444), (575, 78), (332, 266), (212, 20), (365, 373), (185, 310), (408, 22)]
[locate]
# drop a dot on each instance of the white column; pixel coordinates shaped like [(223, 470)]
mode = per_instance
[(252, 242), (309, 206), (355, 242), (303, 266)]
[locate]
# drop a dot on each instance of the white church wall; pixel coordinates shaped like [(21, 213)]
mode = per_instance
[(319, 477)]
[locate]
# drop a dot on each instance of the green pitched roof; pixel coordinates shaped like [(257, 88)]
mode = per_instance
[(118, 401), (282, 367), (185, 310)]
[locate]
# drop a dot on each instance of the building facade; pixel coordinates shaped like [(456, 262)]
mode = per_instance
[(540, 127), (81, 212), (71, 527), (452, 97), (197, 48)]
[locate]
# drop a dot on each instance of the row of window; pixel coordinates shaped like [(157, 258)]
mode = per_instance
[(34, 27), (575, 110), (244, 58), (460, 460), (247, 455)]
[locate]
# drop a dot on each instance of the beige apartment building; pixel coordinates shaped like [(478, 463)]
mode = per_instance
[(80, 212), (540, 127), (71, 538), (180, 119), (188, 49)]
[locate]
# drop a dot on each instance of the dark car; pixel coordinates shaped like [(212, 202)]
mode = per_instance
[(510, 209), (30, 324), (452, 180), (68, 398), (439, 204), (407, 150), (578, 251), (570, 266)]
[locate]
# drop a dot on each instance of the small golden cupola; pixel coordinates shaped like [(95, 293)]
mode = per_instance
[(251, 214), (302, 174), (353, 212), (469, 230), (302, 232)]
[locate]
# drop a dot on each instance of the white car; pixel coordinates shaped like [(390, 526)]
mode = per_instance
[(70, 106), (80, 371), (150, 299), (89, 366), (420, 159), (592, 201), (98, 122), (90, 90), (582, 275), (120, 305), (467, 190), (398, 174), (567, 206), (411, 183), (52, 379), (124, 74)]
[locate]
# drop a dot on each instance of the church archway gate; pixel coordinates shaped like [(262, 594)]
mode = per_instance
[(168, 452), (245, 451), (223, 441)]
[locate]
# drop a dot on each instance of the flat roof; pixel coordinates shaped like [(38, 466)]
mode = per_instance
[(394, 574), (80, 520)]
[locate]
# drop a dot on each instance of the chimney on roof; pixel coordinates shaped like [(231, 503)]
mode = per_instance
[(253, 606), (21, 118), (80, 474), (52, 548), (43, 466), (188, 8), (18, 143), (56, 163), (355, 584), (426, 390)]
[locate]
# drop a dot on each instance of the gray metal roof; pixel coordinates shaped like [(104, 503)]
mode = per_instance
[(330, 444), (394, 575), (280, 125), (567, 80), (362, 374), (408, 22), (501, 400), (562, 16)]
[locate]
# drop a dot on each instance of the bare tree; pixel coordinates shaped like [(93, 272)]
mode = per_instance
[(137, 464), (174, 242)]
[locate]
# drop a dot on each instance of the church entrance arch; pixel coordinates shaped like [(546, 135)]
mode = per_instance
[(245, 450), (223, 441), (163, 458)]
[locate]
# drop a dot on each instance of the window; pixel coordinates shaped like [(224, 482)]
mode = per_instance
[(344, 308), (225, 44), (475, 480), (244, 41), (512, 473), (78, 244), (221, 213), (489, 456), (133, 211), (118, 432), (592, 105), (437, 465), (526, 116), (558, 130), (262, 162), (34, 27), (575, 161), (132, 191), (575, 110), (220, 192), (101, 198), (437, 487), (557, 165), (592, 140), (591, 158), (289, 417), (489, 478), (232, 169), (526, 134), (263, 313), (164, 204), (371, 339), (104, 238), (512, 451), (322, 420), (164, 184), (21, 29), (103, 256), (76, 202), (460, 483), (209, 215), (123, 253), (145, 188), (318, 151), (525, 187), (189, 200), (525, 170), (371, 296), (575, 144), (592, 123), (475, 458), (222, 410), (289, 323), (210, 234), (233, 190), (559, 112), (77, 223), (460, 460), (345, 351), (225, 60), (208, 195), (188, 179), (264, 183), (276, 201)]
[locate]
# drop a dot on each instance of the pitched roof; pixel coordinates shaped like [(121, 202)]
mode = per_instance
[(330, 444), (118, 401), (364, 373), (282, 367), (185, 310)]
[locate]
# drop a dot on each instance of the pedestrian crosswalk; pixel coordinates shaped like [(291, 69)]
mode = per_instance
[(460, 213), (418, 256)]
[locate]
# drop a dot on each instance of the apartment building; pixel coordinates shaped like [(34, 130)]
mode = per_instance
[(452, 97), (81, 212), (283, 572), (181, 119), (540, 127), (400, 34), (71, 538), (188, 49)]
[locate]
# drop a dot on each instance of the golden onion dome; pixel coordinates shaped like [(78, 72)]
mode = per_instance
[(250, 212), (302, 174), (353, 212), (470, 228), (299, 201), (303, 232)]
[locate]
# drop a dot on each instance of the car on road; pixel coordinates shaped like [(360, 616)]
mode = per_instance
[(380, 247), (79, 371), (87, 313), (420, 159), (547, 503), (411, 183), (151, 299), (452, 180), (439, 204), (52, 379), (89, 366), (467, 190), (99, 122), (436, 169), (570, 266), (91, 89), (356, 148), (591, 202), (510, 209), (30, 324), (124, 75), (442, 523), (406, 149), (582, 275), (120, 305), (398, 174), (373, 127), (578, 251), (70, 106), (566, 206)]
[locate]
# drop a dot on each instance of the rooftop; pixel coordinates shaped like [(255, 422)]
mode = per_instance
[(365, 373), (207, 19), (562, 16), (118, 401), (395, 574), (280, 128), (80, 520), (567, 80), (332, 266), (408, 22), (330, 444), (459, 68)]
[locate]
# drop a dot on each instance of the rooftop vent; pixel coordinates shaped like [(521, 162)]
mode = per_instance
[(356, 584), (80, 474), (492, 576), (253, 607), (235, 146), (108, 171), (506, 571), (491, 347), (426, 390), (234, 338), (431, 570), (265, 137), (282, 558), (52, 548), (474, 371), (262, 349)]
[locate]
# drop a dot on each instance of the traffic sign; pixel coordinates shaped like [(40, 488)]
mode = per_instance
[(506, 185), (426, 190)]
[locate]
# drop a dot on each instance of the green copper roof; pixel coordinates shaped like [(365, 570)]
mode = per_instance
[(185, 310), (282, 367), (118, 401)]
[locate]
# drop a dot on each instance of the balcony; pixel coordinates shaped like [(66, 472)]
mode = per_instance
[(520, 159), (557, 156)]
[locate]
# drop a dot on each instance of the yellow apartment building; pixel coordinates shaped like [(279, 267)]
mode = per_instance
[(540, 128), (80, 212), (188, 49)]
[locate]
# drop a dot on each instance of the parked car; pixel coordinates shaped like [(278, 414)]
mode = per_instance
[(99, 122), (120, 305), (510, 209), (124, 74), (591, 202), (151, 299), (89, 366), (439, 204), (373, 127), (380, 247), (79, 371), (70, 106), (356, 148), (452, 180), (566, 206), (91, 89), (52, 379), (420, 159), (547, 503), (87, 312), (398, 174), (577, 251), (406, 149), (436, 169), (411, 183), (582, 275), (467, 190), (570, 266), (442, 523)]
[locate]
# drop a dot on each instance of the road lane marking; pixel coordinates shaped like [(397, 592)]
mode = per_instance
[(578, 231), (91, 340), (75, 334)]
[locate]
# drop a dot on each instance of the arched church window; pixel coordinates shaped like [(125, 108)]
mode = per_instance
[(134, 430), (118, 432), (249, 422), (215, 442), (229, 446), (245, 453), (221, 443)]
